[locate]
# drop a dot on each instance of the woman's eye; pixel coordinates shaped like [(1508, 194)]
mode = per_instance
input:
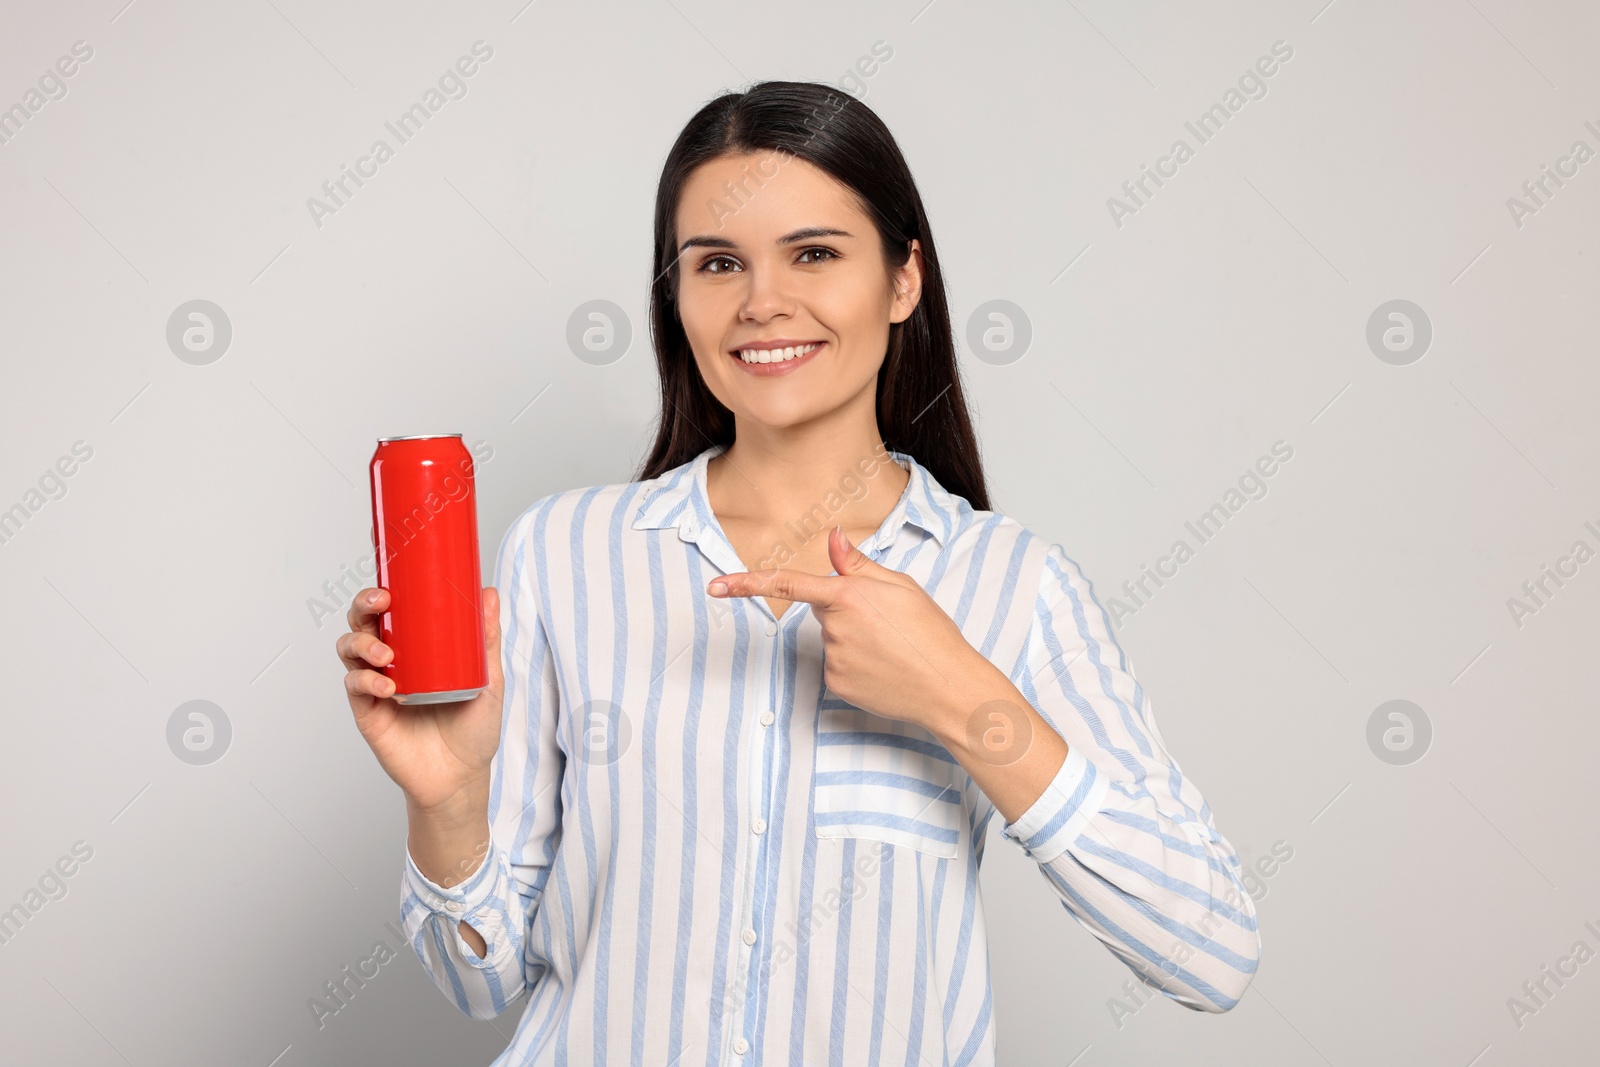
[(706, 267)]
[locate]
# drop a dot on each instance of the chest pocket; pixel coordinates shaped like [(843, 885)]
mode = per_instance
[(885, 780)]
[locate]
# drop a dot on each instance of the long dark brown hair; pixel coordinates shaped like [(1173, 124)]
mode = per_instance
[(921, 408)]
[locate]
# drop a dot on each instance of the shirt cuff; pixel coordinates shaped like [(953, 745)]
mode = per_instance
[(1067, 804), (460, 901)]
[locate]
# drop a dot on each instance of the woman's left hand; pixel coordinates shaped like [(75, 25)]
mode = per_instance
[(887, 645)]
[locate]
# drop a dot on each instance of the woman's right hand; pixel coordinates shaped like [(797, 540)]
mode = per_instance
[(438, 754)]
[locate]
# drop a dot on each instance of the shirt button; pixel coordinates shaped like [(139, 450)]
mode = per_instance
[(749, 937), (772, 628), (766, 718), (741, 1046), (759, 826), (686, 530), (453, 907)]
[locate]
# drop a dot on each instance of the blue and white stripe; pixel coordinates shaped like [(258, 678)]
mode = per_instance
[(703, 857)]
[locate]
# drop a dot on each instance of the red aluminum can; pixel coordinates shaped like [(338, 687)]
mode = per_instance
[(425, 533)]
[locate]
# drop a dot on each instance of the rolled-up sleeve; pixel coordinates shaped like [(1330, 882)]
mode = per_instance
[(500, 899), (1122, 835)]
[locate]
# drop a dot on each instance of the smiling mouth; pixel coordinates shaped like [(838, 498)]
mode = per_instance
[(775, 355)]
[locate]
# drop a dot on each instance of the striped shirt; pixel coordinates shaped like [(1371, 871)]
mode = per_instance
[(701, 856)]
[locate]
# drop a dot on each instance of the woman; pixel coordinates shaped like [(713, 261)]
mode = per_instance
[(751, 714)]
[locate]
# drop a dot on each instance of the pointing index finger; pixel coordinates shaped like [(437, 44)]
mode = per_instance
[(814, 589)]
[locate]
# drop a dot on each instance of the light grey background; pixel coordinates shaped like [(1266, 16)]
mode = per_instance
[(1167, 354)]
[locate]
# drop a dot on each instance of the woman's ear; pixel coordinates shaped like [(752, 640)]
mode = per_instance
[(908, 284)]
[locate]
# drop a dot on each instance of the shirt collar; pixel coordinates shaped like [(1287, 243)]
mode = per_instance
[(680, 499)]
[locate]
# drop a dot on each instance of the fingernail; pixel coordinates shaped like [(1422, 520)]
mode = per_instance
[(372, 597), (718, 588)]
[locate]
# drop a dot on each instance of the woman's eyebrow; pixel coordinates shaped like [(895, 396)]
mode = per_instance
[(804, 234)]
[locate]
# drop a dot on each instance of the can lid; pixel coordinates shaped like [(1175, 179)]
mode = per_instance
[(417, 437)]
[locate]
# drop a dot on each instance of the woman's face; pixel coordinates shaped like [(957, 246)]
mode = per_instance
[(754, 268)]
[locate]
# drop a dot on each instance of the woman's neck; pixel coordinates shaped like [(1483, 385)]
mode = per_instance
[(852, 482)]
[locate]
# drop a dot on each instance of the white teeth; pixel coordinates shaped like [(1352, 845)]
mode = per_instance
[(776, 355)]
